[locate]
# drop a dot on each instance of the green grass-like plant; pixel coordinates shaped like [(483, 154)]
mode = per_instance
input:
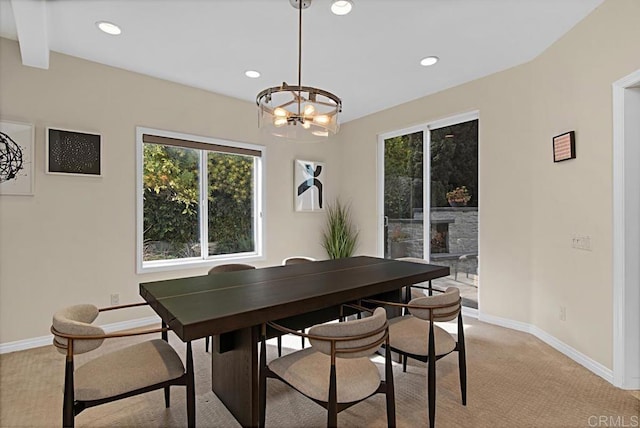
[(339, 238)]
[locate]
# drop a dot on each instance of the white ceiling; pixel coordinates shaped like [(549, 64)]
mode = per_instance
[(369, 58)]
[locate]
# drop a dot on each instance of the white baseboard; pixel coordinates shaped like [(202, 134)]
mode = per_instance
[(632, 384), (470, 312), (577, 356), (36, 342)]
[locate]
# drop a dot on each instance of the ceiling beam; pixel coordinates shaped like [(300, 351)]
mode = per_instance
[(31, 24)]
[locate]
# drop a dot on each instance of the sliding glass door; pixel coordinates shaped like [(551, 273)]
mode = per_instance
[(429, 199), (453, 207), (404, 196)]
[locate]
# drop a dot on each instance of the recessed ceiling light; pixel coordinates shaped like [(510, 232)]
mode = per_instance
[(341, 7), (109, 28), (252, 74), (430, 60)]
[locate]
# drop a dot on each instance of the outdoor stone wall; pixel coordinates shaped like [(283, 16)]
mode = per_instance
[(463, 231), (405, 236)]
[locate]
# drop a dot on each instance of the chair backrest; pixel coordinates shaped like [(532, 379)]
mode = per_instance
[(366, 326), (231, 267), (76, 320), (297, 260), (450, 299)]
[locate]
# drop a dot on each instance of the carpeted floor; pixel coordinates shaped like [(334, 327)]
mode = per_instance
[(514, 380)]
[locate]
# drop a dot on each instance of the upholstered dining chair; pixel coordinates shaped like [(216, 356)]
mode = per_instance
[(229, 267), (335, 371), (128, 371), (465, 261), (296, 260), (417, 336)]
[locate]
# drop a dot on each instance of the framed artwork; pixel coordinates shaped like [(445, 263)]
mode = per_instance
[(308, 187), (16, 158), (564, 146), (73, 153)]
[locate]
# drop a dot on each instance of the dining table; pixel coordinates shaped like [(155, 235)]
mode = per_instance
[(232, 306)]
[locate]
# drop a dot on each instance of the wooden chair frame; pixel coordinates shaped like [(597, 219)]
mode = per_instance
[(431, 357), (332, 405), (72, 407)]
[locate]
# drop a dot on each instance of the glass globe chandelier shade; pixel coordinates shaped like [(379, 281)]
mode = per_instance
[(298, 112), (301, 113)]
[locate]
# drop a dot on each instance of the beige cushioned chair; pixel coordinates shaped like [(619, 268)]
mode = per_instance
[(135, 369), (335, 371), (417, 336), (297, 260)]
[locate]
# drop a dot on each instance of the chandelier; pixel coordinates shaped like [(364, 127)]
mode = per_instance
[(299, 112)]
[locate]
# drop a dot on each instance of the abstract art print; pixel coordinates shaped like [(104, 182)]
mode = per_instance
[(16, 158), (308, 187), (73, 152)]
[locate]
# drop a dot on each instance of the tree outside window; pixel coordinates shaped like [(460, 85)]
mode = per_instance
[(176, 225)]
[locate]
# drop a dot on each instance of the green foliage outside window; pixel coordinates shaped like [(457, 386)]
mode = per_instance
[(230, 203), (172, 209), (403, 175), (454, 163)]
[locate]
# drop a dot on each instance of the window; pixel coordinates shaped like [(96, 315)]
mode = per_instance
[(199, 199)]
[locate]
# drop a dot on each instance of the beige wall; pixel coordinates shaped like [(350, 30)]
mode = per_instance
[(75, 240), (529, 206)]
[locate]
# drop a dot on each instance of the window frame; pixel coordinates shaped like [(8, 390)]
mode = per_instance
[(202, 261)]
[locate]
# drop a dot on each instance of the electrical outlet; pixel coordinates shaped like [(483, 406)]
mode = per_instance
[(581, 242), (563, 313), (115, 299)]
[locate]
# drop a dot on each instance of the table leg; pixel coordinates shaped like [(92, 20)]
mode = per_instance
[(234, 374)]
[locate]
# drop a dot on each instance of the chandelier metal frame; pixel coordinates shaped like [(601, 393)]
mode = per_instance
[(318, 120)]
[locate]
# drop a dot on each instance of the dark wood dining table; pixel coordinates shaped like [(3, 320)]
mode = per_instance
[(231, 306)]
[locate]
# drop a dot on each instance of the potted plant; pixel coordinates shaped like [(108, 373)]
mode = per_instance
[(398, 245), (339, 237), (459, 196)]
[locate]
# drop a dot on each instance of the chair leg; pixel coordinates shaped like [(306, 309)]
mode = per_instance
[(463, 376), (68, 413), (302, 338), (431, 388), (390, 392), (191, 392), (462, 360), (262, 383), (167, 397), (332, 405), (279, 346), (431, 377), (404, 364), (206, 343)]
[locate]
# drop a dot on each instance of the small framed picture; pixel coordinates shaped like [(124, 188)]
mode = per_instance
[(16, 158), (308, 187), (73, 152), (564, 146)]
